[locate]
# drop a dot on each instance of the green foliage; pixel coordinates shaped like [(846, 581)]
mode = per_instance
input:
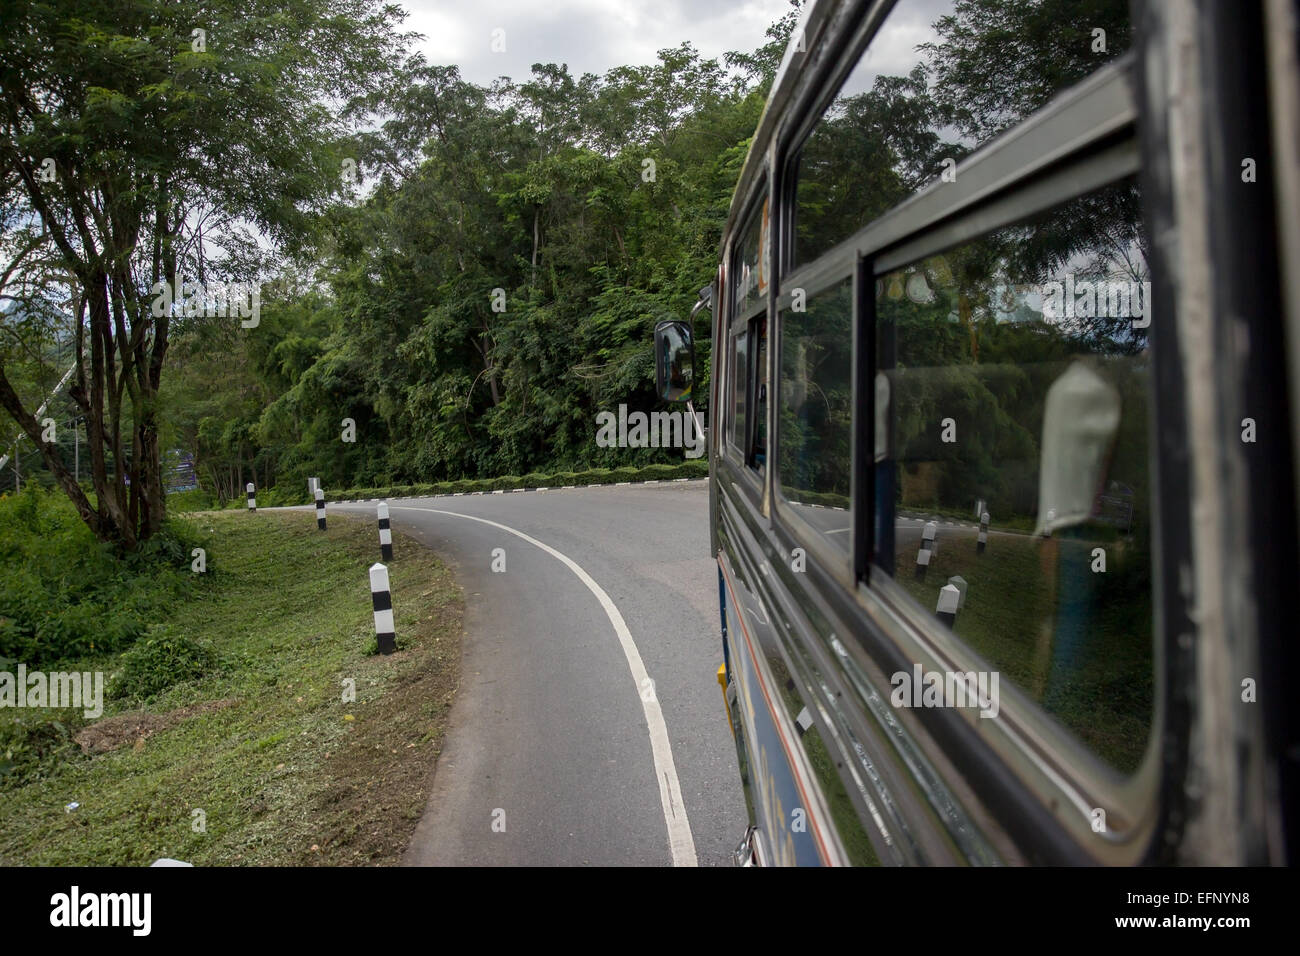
[(196, 499), (33, 745), (179, 157), (64, 595), (538, 188), (158, 662), (698, 468)]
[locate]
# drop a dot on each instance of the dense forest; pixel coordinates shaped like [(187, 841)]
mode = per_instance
[(477, 283), (452, 280)]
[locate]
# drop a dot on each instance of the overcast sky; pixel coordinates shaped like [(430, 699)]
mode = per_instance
[(591, 36)]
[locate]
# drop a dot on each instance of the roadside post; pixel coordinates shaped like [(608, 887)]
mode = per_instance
[(385, 533), (382, 598)]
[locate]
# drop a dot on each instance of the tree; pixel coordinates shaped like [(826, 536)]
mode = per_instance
[(145, 145)]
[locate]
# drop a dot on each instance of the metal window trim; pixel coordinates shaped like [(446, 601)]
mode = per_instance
[(837, 563), (815, 276), (1079, 120), (753, 214), (1045, 758), (1070, 181)]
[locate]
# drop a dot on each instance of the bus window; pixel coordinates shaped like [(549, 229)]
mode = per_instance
[(929, 89), (1018, 452), (759, 459), (751, 270), (739, 383), (815, 410)]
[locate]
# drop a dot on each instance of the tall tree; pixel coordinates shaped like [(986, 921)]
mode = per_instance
[(146, 144)]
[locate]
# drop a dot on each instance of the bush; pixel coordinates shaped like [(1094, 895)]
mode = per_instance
[(592, 476), (158, 662), (194, 500), (282, 496), (32, 743), (65, 595), (690, 468)]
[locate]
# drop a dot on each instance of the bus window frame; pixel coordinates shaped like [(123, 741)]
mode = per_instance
[(741, 452), (839, 563)]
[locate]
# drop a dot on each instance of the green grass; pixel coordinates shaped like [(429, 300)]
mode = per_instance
[(1079, 642), (282, 768)]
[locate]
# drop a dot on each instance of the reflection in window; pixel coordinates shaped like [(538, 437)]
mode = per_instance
[(760, 398), (739, 389), (816, 403), (751, 259), (1018, 376), (938, 80)]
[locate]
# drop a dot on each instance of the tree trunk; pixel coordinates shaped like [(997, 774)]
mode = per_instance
[(537, 212)]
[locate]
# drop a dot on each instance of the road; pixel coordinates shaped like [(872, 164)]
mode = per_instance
[(560, 752)]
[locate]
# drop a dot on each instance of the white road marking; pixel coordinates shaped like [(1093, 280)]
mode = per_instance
[(680, 841)]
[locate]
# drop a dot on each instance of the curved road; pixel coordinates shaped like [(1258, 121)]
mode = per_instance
[(560, 750)]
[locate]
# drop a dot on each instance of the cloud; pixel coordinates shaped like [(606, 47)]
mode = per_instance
[(591, 36)]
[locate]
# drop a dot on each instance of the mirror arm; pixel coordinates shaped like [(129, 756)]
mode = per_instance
[(706, 298), (699, 426)]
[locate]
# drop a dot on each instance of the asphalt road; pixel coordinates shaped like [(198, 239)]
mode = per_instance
[(560, 752)]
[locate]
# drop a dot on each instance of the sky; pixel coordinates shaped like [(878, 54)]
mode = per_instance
[(591, 36)]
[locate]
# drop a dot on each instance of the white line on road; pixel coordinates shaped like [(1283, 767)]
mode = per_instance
[(680, 841)]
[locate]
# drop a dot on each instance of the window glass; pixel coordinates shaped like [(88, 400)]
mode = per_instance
[(752, 256), (938, 80), (760, 399), (739, 389), (816, 403), (1017, 375)]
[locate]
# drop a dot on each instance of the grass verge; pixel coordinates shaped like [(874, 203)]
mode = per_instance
[(256, 757)]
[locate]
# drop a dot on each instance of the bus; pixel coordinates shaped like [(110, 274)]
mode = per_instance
[(1003, 498)]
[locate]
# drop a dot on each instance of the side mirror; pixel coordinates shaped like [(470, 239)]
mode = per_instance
[(674, 361)]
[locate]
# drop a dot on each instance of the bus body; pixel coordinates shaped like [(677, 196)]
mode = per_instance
[(1006, 333)]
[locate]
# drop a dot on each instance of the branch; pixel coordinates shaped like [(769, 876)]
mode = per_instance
[(27, 422)]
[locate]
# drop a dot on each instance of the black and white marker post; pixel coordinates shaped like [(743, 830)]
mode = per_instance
[(927, 549), (252, 501), (385, 533), (383, 602), (983, 539), (922, 561), (949, 598), (320, 508)]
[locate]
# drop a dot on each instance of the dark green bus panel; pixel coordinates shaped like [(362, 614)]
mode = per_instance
[(1003, 494)]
